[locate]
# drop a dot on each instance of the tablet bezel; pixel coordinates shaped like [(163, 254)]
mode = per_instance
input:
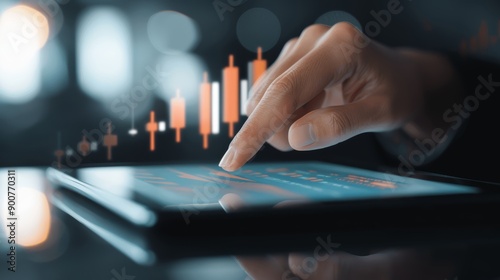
[(155, 216), (358, 227)]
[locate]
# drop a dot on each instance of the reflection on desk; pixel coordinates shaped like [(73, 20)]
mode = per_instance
[(50, 244)]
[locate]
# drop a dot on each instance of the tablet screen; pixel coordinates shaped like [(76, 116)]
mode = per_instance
[(262, 183)]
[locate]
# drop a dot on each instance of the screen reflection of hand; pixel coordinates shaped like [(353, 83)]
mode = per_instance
[(405, 263)]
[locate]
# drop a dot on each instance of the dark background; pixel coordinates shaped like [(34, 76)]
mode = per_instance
[(28, 134), (29, 131)]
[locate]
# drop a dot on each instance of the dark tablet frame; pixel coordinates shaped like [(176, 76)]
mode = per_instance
[(356, 226)]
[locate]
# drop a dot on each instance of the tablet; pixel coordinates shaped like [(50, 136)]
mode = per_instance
[(285, 199)]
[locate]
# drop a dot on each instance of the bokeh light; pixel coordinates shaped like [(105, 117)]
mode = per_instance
[(20, 78), (104, 53), (32, 208), (171, 31), (23, 30), (258, 27), (333, 17)]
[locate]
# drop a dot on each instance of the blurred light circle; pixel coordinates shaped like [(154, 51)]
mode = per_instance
[(333, 17), (171, 31), (258, 27), (35, 210), (183, 72), (53, 10), (23, 30), (104, 53), (20, 78), (180, 71)]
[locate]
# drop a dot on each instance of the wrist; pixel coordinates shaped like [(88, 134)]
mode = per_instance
[(427, 133)]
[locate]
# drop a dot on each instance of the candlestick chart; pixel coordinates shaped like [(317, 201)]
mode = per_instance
[(484, 39), (220, 104)]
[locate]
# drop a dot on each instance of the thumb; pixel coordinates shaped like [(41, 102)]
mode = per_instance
[(329, 126)]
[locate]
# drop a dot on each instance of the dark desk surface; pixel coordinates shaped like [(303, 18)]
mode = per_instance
[(56, 246)]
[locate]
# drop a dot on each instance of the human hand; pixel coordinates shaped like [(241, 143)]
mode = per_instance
[(393, 264), (333, 83)]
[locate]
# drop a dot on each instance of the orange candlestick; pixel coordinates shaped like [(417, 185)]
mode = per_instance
[(259, 66), (152, 128), (84, 146), (59, 155), (110, 140), (483, 35), (205, 110), (231, 89), (177, 115)]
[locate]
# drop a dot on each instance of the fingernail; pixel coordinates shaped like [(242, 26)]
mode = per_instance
[(227, 159), (231, 202), (304, 135)]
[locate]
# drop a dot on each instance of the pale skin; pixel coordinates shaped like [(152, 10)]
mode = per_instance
[(326, 86), (333, 83)]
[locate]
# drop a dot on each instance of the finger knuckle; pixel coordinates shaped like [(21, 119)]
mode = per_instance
[(283, 85), (315, 29), (290, 43), (282, 89), (346, 30), (339, 124)]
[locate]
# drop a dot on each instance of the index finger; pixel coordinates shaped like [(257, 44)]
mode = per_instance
[(327, 63)]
